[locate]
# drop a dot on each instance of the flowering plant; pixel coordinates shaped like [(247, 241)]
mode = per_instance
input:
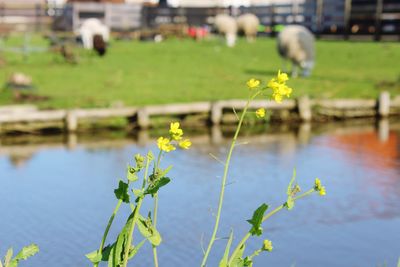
[(118, 253)]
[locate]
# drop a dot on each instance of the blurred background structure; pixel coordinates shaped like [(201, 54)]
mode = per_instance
[(343, 18)]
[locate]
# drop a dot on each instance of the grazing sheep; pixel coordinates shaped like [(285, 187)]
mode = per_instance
[(297, 44), (248, 24), (226, 25), (94, 35)]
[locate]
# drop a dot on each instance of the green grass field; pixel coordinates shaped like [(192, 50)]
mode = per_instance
[(184, 71)]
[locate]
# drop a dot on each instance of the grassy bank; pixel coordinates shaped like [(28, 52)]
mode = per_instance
[(183, 71)]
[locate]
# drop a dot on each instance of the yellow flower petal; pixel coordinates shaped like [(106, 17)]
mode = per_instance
[(260, 113), (253, 83), (185, 144)]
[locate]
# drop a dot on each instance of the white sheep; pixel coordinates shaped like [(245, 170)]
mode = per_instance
[(248, 24), (94, 35), (297, 44), (226, 25)]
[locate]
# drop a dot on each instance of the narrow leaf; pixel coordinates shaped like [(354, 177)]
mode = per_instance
[(153, 188), (122, 192), (165, 172), (256, 220), (111, 258), (7, 258), (289, 189), (135, 249), (224, 261), (122, 241)]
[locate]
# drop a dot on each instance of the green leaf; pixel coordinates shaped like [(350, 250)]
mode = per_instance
[(122, 192), (94, 256), (248, 262), (256, 220), (153, 188), (289, 204), (398, 263), (122, 241), (162, 173), (224, 260), (134, 249), (131, 174), (27, 252), (289, 189), (147, 229), (111, 258), (237, 258)]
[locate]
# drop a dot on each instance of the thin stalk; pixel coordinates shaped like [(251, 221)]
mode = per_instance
[(224, 178), (154, 248), (135, 214), (266, 217), (110, 221)]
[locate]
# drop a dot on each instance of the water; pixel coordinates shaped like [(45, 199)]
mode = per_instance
[(61, 198)]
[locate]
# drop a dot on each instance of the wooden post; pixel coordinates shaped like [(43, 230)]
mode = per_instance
[(304, 133), (71, 122), (384, 104), (216, 113), (378, 20), (143, 118), (304, 108), (347, 14), (319, 16)]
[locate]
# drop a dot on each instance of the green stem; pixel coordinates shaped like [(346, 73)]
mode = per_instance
[(135, 215), (156, 209), (224, 178), (266, 217), (110, 221)]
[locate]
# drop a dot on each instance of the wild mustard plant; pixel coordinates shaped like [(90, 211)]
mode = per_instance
[(276, 89), (23, 254), (118, 253)]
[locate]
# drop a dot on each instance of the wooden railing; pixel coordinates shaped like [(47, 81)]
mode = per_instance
[(301, 109)]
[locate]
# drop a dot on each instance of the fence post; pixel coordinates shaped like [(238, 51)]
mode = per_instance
[(347, 14), (384, 104), (319, 14), (378, 20), (272, 15), (143, 118), (71, 122), (216, 113), (304, 108), (38, 18)]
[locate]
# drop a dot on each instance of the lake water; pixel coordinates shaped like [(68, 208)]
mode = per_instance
[(61, 197)]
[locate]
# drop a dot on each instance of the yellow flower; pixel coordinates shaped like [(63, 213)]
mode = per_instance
[(267, 245), (279, 87), (185, 144), (175, 132), (260, 113), (322, 192), (272, 83), (164, 144), (253, 83), (319, 188), (282, 77)]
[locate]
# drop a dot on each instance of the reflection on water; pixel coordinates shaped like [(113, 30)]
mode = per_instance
[(57, 192)]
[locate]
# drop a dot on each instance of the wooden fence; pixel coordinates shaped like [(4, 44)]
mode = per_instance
[(302, 109), (337, 17)]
